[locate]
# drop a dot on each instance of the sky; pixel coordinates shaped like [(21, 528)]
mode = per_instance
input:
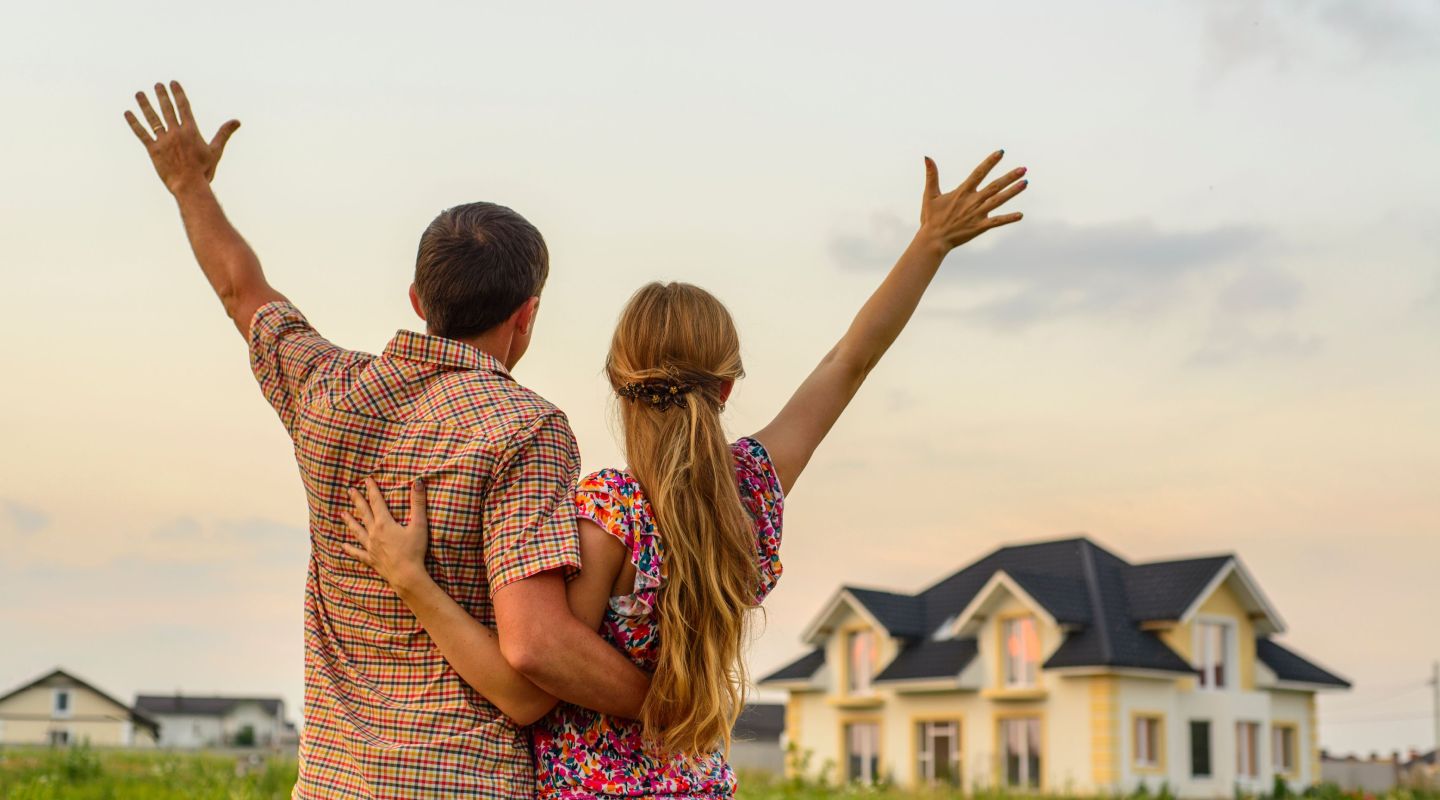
[(1216, 331)]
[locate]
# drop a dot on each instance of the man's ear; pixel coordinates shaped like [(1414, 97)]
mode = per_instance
[(415, 302), (524, 316), (725, 389)]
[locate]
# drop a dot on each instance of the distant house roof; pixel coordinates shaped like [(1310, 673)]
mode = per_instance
[(1098, 598), (135, 714), (1289, 665), (930, 658), (169, 704), (760, 722), (802, 668)]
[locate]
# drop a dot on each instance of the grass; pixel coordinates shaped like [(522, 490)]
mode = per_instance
[(80, 773)]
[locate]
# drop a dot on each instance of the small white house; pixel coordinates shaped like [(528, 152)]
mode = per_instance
[(60, 709), (193, 722)]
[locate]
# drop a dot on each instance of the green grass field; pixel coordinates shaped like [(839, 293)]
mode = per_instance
[(83, 774)]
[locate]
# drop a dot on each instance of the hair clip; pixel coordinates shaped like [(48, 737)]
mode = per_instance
[(659, 394)]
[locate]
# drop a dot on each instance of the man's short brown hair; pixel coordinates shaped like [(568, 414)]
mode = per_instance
[(477, 264)]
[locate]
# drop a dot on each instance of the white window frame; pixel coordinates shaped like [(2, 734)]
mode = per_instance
[(1286, 760), (1205, 660), (1145, 751), (869, 751), (1027, 663), (1025, 778), (55, 710), (925, 752), (66, 732), (860, 677), (1247, 750)]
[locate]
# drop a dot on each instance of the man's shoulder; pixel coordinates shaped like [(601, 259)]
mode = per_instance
[(494, 406)]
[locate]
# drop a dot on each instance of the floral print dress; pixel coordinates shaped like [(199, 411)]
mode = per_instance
[(580, 753)]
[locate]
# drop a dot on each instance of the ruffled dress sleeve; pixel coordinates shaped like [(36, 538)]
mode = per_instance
[(763, 498), (612, 500)]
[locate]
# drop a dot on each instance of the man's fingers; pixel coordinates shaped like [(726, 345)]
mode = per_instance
[(1003, 198), (139, 129), (187, 117), (167, 108), (359, 555), (418, 514), (1004, 219), (981, 170), (362, 507), (223, 135), (932, 179), (1001, 182), (149, 112)]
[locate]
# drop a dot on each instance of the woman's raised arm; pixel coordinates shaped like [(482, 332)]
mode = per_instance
[(947, 220)]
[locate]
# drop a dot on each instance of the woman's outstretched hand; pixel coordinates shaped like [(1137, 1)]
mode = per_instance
[(953, 218), (395, 551)]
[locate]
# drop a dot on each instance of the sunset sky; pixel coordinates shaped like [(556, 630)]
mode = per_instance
[(1217, 330)]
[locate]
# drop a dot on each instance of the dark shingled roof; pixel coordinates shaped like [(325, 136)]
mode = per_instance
[(1164, 590), (1099, 597), (901, 614), (1289, 665), (800, 669), (760, 722), (200, 706), (930, 659)]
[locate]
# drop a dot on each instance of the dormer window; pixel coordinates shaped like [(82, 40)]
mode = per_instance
[(1020, 652), (1213, 654), (861, 656)]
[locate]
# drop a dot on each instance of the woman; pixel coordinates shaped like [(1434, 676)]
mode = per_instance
[(679, 547)]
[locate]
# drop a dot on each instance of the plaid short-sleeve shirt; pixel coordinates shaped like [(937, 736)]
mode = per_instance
[(385, 716)]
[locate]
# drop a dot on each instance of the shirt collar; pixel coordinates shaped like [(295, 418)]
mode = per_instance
[(442, 352)]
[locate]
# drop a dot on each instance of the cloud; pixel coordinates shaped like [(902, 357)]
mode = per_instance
[(1282, 34), (21, 518), (1121, 271)]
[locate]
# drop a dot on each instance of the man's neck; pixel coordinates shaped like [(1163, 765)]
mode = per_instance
[(496, 343)]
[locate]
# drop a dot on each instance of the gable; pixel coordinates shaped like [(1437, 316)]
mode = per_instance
[(1001, 595), (1233, 593)]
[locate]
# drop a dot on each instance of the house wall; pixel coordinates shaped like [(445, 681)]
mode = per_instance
[(189, 730), (29, 716), (266, 726)]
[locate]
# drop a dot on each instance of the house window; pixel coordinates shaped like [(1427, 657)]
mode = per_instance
[(1149, 740), (939, 752), (59, 738), (861, 657), (1021, 651), (1213, 649), (862, 751), (1284, 750), (1021, 752), (1247, 749), (1200, 748), (61, 703)]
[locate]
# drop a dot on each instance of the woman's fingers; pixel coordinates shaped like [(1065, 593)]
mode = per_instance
[(418, 515), (361, 534), (1004, 219), (362, 507), (1001, 182), (358, 554), (981, 170), (1003, 198), (378, 508)]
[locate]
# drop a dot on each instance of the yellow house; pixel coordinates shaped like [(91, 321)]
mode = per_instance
[(60, 709), (1058, 667)]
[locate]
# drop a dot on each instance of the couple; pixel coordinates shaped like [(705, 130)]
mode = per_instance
[(523, 633)]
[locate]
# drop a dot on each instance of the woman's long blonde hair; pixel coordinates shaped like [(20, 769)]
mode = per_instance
[(676, 334)]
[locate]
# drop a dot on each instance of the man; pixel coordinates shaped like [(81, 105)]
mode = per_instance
[(385, 716)]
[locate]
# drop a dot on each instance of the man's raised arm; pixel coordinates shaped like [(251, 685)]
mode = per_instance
[(186, 164)]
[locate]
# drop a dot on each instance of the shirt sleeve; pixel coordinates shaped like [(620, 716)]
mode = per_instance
[(529, 519), (285, 354), (760, 493)]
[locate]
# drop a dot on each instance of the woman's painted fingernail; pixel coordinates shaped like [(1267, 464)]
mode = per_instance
[(1022, 170)]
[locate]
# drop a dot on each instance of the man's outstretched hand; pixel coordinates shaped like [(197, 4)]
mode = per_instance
[(180, 155)]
